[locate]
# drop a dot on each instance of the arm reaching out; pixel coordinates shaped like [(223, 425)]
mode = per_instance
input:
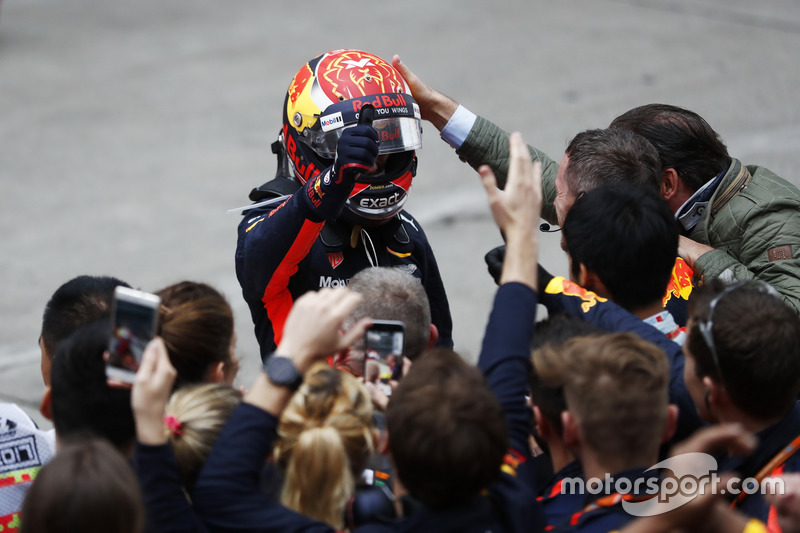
[(484, 144), (156, 467), (691, 250), (505, 353), (312, 332), (228, 491)]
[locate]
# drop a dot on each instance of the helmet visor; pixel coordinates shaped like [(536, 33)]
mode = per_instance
[(396, 134), (397, 121)]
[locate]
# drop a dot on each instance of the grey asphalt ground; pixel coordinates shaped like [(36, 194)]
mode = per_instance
[(127, 129)]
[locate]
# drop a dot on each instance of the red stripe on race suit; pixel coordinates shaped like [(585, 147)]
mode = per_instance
[(277, 299)]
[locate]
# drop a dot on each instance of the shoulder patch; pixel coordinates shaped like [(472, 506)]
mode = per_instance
[(780, 252)]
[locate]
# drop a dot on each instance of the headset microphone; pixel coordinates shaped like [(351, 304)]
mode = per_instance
[(547, 228)]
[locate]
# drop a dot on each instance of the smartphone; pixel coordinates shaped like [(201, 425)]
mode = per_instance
[(134, 316), (383, 350)]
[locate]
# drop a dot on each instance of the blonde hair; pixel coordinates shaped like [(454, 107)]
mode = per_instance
[(325, 439), (198, 413)]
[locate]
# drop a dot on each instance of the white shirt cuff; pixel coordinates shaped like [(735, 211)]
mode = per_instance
[(458, 127)]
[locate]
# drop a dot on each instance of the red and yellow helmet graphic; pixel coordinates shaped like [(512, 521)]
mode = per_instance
[(334, 77), (325, 97)]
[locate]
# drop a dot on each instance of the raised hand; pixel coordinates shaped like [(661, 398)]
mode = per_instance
[(313, 329), (355, 155), (151, 391), (516, 211), (434, 106)]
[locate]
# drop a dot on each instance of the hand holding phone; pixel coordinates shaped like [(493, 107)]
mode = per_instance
[(134, 315)]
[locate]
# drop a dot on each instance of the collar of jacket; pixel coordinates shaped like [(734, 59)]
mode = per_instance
[(335, 234), (717, 192)]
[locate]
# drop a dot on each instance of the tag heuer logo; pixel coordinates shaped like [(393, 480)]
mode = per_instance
[(335, 259)]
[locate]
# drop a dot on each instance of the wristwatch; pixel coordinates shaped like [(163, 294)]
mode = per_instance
[(282, 372)]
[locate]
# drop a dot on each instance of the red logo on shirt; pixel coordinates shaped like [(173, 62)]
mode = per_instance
[(335, 259)]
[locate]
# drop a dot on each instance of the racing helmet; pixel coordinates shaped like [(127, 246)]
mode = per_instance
[(324, 98)]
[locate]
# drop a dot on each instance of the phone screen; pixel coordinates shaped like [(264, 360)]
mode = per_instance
[(383, 351), (134, 318)]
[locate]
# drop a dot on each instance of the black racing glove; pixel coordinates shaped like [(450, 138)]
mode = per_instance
[(494, 260), (355, 154)]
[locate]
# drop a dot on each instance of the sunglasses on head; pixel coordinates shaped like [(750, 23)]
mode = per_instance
[(706, 326)]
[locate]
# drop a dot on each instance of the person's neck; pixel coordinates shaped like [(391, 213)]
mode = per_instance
[(677, 201), (749, 423), (559, 454), (648, 310), (595, 466)]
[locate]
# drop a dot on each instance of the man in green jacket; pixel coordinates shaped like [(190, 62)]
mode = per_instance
[(738, 222)]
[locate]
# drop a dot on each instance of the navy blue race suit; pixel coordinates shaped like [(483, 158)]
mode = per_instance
[(285, 250)]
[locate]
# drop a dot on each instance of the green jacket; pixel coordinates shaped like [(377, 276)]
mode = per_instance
[(754, 223)]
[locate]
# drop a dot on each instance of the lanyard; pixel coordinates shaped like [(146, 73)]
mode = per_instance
[(608, 501), (776, 461)]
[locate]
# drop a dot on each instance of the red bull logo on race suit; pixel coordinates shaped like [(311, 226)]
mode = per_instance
[(680, 282), (564, 286)]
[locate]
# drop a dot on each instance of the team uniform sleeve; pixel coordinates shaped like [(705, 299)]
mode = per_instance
[(505, 362), (270, 247), (505, 356), (166, 505), (437, 296)]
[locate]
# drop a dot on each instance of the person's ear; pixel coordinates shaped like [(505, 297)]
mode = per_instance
[(434, 336), (715, 395), (671, 422), (584, 275), (670, 184), (571, 433), (46, 407), (46, 364), (543, 427), (216, 374), (341, 356), (406, 365), (351, 360), (590, 281)]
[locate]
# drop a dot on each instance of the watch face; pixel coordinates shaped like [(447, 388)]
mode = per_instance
[(282, 372)]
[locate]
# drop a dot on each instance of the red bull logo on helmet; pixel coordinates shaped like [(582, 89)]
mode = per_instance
[(564, 286), (305, 171), (299, 83)]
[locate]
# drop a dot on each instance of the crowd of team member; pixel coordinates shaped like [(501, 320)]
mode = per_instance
[(671, 349)]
